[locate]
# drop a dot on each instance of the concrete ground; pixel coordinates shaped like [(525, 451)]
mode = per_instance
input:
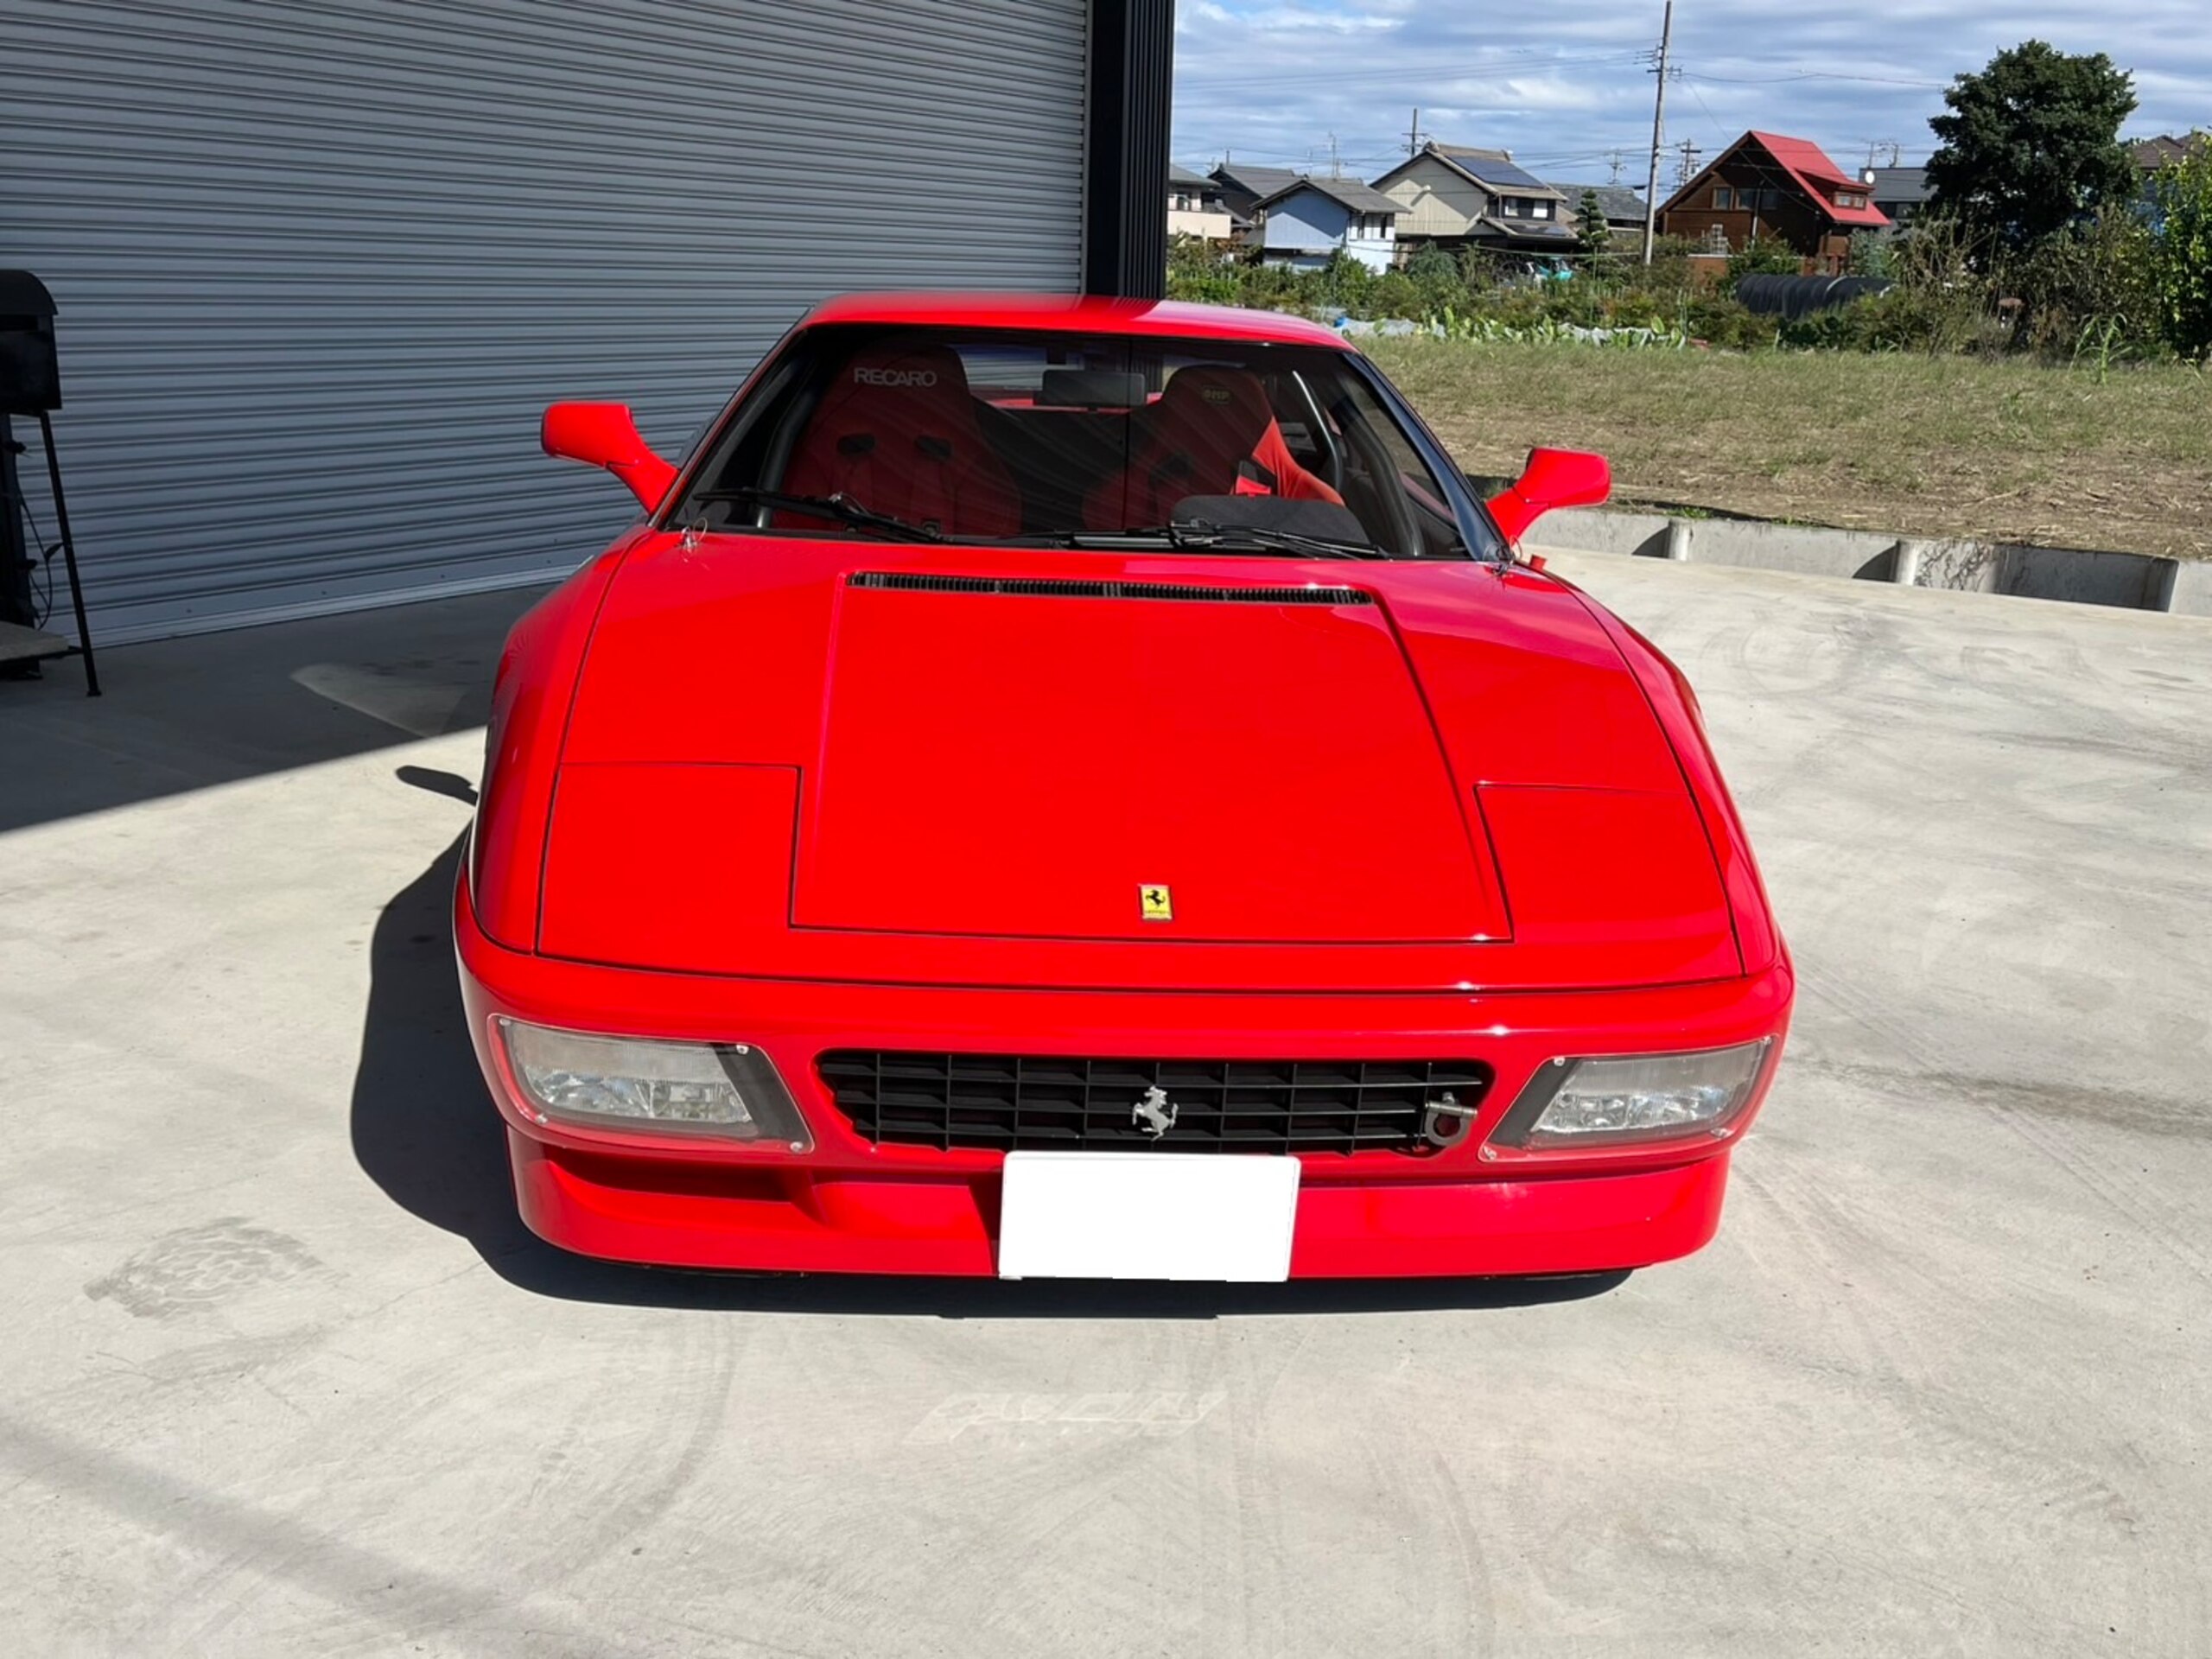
[(281, 1373)]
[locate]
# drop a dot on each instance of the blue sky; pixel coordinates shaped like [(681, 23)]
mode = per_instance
[(1565, 87)]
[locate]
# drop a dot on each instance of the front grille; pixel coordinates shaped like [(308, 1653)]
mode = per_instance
[(1053, 1103)]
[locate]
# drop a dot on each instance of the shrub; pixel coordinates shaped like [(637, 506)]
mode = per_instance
[(1724, 322), (2094, 282), (1196, 271), (1874, 253), (1763, 256), (1396, 294), (2180, 255), (1941, 303)]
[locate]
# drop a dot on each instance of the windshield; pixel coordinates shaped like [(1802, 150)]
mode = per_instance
[(1073, 440)]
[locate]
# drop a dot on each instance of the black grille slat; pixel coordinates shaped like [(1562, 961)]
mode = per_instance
[(1008, 1102), (916, 582)]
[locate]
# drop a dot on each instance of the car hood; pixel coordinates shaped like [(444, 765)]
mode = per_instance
[(883, 762)]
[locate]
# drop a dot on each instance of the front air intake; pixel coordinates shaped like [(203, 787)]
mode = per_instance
[(1058, 587), (1020, 1102)]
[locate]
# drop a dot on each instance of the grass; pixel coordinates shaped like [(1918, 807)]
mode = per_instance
[(1995, 449)]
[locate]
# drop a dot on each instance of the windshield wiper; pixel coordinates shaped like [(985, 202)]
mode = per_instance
[(840, 506), (1202, 536)]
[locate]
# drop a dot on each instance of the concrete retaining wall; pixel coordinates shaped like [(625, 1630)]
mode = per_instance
[(2080, 577)]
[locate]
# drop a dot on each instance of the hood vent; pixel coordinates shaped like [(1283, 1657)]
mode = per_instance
[(1054, 588)]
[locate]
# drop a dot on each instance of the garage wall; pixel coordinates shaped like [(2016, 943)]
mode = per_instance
[(320, 266)]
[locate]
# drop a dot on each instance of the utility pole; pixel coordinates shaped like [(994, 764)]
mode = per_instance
[(1413, 134), (1614, 162), (1336, 166), (1685, 169), (1658, 135)]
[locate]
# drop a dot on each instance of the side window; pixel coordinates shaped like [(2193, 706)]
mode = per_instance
[(1305, 430), (756, 446), (1385, 481)]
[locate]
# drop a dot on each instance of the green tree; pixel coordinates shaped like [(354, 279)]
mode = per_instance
[(1435, 277), (2180, 257), (1596, 235), (2031, 145), (1196, 271)]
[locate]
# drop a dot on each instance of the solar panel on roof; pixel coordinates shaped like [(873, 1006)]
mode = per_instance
[(1503, 173)]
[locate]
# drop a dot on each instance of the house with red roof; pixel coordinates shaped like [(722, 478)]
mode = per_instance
[(1784, 189)]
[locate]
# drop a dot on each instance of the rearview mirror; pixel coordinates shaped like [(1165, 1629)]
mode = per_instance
[(605, 435), (1552, 478)]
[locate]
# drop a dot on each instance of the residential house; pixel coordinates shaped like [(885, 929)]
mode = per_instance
[(1195, 206), (2152, 155), (1782, 189), (1621, 207), (1899, 192), (1243, 187), (1307, 222), (2149, 154), (1457, 196)]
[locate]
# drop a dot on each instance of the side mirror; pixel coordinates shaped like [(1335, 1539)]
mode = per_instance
[(1553, 478), (605, 435)]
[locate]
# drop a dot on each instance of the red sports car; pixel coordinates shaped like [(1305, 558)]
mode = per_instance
[(1083, 787)]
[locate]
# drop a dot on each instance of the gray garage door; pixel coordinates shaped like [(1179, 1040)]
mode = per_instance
[(320, 266)]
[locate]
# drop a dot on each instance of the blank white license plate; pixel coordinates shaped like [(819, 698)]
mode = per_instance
[(1142, 1215)]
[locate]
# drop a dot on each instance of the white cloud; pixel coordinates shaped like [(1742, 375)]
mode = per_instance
[(1568, 91)]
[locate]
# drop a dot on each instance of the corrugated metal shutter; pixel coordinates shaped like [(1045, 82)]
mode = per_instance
[(320, 266)]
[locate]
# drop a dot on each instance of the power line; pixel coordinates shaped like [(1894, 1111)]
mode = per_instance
[(1241, 78), (1812, 74)]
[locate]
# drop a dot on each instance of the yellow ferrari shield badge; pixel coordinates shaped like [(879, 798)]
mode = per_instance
[(1155, 903)]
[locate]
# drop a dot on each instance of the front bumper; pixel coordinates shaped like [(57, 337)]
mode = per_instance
[(851, 1206)]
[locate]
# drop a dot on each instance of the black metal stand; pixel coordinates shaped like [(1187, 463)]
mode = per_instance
[(30, 384), (69, 555), (20, 552)]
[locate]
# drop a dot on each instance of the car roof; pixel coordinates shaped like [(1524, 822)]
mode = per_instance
[(1087, 314)]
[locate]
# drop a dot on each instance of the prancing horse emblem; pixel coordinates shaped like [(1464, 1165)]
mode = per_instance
[(1155, 1112)]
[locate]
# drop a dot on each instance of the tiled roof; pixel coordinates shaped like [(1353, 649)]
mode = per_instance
[(1259, 180), (2152, 154), (1350, 192), (1494, 169), (1616, 201), (1360, 198), (1565, 233), (1904, 184)]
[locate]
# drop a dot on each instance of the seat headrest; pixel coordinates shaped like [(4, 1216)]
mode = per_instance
[(917, 376), (1226, 407)]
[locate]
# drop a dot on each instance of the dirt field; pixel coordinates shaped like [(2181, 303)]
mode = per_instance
[(1923, 446)]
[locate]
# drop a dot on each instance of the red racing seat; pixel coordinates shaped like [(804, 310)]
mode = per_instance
[(897, 432), (1212, 433)]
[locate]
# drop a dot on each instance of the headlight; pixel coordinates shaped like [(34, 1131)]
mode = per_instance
[(728, 1090), (1627, 1100)]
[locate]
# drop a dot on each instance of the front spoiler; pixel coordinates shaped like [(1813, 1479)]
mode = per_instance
[(797, 1220), (848, 1205)]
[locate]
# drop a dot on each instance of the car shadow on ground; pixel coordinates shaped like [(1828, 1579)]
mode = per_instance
[(424, 1131)]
